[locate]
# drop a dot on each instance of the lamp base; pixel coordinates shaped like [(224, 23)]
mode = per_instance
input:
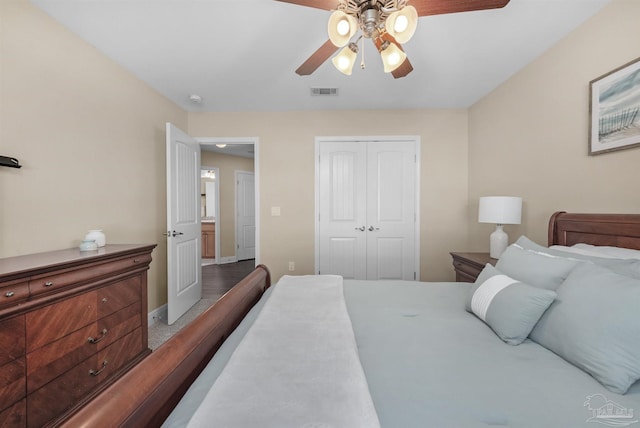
[(498, 242)]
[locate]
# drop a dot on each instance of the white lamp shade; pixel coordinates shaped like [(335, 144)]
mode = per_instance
[(402, 23), (341, 28), (500, 210), (392, 57), (345, 60)]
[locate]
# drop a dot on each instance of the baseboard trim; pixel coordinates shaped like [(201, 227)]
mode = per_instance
[(225, 260), (157, 314)]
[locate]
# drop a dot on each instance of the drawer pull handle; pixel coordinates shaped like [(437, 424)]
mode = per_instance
[(105, 300), (98, 339), (48, 283), (136, 261), (97, 372), (9, 293)]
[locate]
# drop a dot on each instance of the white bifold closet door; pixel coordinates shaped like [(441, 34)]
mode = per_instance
[(367, 209)]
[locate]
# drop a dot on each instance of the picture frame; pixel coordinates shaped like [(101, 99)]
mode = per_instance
[(614, 110)]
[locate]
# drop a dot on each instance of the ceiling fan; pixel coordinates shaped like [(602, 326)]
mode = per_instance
[(388, 23)]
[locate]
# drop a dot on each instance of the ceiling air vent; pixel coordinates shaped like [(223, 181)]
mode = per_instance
[(324, 92)]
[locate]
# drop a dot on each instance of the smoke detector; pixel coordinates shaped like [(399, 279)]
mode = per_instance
[(195, 99)]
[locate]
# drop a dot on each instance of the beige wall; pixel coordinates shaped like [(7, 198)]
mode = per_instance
[(226, 224), (529, 137), (286, 168), (90, 137)]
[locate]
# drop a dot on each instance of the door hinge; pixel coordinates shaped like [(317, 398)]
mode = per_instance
[(414, 276)]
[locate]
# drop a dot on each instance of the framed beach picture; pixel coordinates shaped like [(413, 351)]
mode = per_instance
[(614, 107)]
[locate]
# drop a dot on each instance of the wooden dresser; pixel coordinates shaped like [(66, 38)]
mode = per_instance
[(71, 323)]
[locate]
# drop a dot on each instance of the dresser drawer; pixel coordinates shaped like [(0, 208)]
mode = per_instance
[(55, 321), (119, 295), (78, 382), (14, 293), (118, 324), (50, 361), (15, 416), (11, 339), (64, 278), (12, 383)]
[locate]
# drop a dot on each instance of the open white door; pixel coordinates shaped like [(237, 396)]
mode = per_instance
[(184, 285), (246, 215)]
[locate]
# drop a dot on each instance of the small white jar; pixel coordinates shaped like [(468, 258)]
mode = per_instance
[(88, 245), (98, 236)]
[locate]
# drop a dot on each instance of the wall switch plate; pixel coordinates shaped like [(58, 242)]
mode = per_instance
[(292, 266), (275, 211)]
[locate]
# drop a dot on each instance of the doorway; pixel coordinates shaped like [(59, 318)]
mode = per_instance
[(209, 212), (230, 155)]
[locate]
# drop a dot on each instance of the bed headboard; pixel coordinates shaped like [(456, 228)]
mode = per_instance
[(616, 230)]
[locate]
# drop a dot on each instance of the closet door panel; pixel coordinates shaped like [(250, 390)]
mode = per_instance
[(342, 209), (391, 208)]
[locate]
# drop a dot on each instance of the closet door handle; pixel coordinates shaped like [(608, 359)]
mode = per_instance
[(361, 229), (371, 228)]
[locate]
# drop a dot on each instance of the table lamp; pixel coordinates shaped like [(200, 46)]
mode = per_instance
[(500, 210)]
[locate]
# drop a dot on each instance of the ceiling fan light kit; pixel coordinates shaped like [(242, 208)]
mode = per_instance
[(341, 28), (388, 23), (345, 60), (392, 56), (402, 24)]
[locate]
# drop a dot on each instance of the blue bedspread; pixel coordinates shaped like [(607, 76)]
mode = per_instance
[(429, 363)]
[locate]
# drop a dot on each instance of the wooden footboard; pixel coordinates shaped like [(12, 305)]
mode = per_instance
[(147, 394)]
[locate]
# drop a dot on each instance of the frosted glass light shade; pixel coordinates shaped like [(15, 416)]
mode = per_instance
[(392, 57), (500, 210), (341, 28), (402, 24), (345, 60)]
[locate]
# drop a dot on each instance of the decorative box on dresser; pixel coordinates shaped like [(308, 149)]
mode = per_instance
[(469, 265), (71, 323)]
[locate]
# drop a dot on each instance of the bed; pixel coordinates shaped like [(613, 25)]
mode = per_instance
[(429, 362)]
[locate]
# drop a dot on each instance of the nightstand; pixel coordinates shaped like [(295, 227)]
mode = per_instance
[(469, 265)]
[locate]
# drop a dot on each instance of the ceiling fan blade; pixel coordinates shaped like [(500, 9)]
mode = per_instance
[(404, 69), (439, 7), (321, 55), (318, 4)]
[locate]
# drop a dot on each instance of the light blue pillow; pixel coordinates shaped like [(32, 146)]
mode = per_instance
[(511, 308), (595, 325), (627, 267), (533, 268)]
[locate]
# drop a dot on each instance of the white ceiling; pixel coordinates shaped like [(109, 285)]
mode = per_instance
[(240, 55), (233, 149)]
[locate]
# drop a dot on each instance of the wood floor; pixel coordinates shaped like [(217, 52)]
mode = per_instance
[(218, 279)]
